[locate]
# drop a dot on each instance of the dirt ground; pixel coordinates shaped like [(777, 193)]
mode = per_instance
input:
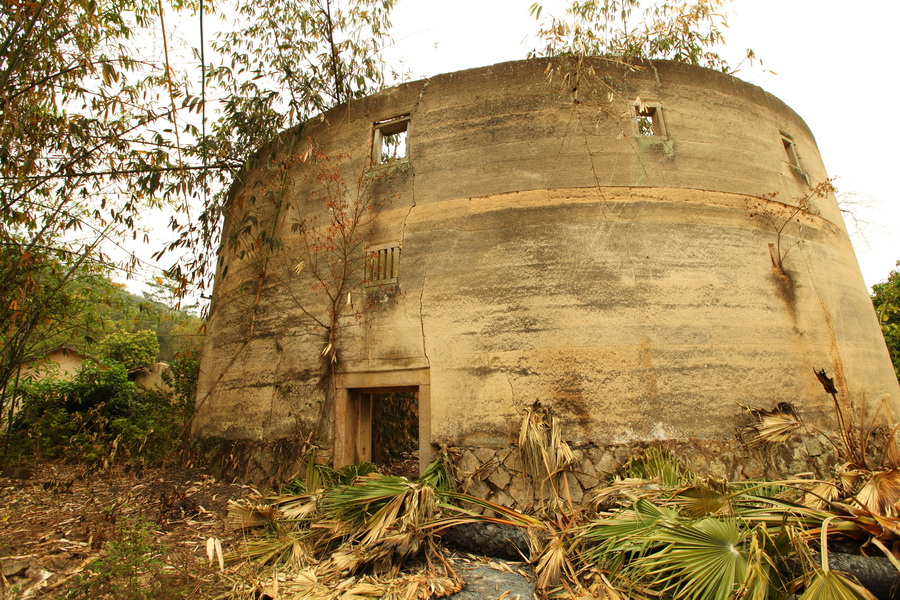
[(66, 531), (139, 534)]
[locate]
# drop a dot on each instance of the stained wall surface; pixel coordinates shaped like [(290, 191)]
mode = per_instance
[(549, 252)]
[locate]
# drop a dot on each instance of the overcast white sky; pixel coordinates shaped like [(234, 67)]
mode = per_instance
[(834, 63)]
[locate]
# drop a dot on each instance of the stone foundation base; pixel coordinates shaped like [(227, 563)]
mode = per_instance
[(496, 474), (265, 464)]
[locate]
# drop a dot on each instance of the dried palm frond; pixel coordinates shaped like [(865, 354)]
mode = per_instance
[(504, 515), (420, 584), (285, 548), (297, 507), (621, 492), (552, 560), (243, 514), (771, 426), (891, 455), (601, 588), (546, 457), (881, 493), (832, 585), (821, 495), (849, 477)]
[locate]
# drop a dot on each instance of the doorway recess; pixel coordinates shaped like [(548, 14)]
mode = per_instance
[(384, 418)]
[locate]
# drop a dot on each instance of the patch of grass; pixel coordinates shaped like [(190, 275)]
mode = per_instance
[(129, 568)]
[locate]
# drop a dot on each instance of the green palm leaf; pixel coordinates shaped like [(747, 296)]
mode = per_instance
[(612, 543), (704, 560)]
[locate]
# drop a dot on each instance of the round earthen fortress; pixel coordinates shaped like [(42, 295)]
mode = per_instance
[(630, 247)]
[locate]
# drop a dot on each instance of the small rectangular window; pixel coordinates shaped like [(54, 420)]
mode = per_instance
[(793, 157), (648, 119), (382, 265), (791, 150), (389, 140)]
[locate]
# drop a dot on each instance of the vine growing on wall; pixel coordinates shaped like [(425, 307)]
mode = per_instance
[(330, 218), (333, 222)]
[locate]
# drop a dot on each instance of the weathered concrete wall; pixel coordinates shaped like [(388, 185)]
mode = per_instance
[(549, 253)]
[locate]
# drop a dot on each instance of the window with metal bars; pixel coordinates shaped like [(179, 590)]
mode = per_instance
[(382, 265)]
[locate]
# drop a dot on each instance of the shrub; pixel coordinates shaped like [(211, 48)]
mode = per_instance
[(138, 349), (97, 416)]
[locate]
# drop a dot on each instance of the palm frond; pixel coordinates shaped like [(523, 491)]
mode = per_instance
[(772, 426), (244, 514), (623, 492), (658, 465), (765, 554), (552, 562), (881, 493), (299, 507), (706, 560), (821, 495), (438, 474), (704, 498), (285, 548), (546, 457), (610, 542), (832, 585)]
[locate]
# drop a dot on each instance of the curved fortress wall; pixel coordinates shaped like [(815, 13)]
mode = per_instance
[(632, 250)]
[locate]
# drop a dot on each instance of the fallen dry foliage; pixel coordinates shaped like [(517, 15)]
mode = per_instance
[(65, 531)]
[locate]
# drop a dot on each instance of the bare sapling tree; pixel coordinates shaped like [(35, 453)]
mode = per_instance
[(334, 222), (781, 216), (79, 157)]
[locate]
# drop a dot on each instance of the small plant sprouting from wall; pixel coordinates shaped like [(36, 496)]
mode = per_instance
[(780, 217), (773, 214)]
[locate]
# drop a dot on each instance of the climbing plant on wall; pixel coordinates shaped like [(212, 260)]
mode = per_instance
[(333, 222)]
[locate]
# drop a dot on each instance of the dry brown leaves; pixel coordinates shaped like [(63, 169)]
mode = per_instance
[(56, 520)]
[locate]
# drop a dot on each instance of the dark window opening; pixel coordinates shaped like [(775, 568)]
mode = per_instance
[(388, 430), (791, 150), (648, 119), (793, 158), (389, 141)]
